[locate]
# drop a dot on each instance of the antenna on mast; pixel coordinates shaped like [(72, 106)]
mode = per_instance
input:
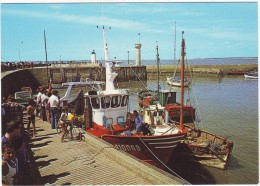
[(105, 42), (182, 80), (175, 42), (110, 75), (158, 61)]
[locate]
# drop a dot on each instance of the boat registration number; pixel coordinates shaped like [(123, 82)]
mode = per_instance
[(128, 148)]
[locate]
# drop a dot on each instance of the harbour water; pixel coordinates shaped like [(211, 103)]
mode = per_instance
[(226, 106)]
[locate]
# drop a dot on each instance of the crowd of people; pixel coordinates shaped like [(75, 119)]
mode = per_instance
[(48, 109), (9, 66), (16, 166), (15, 66)]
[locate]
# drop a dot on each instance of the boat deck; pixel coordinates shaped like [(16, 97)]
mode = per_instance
[(89, 162)]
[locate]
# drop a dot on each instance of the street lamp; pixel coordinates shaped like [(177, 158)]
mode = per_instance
[(20, 50), (128, 57)]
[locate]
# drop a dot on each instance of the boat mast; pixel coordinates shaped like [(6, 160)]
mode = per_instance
[(175, 69), (110, 75), (46, 59), (182, 80), (157, 61), (175, 43)]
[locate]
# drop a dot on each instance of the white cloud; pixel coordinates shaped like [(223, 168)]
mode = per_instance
[(92, 20), (56, 6)]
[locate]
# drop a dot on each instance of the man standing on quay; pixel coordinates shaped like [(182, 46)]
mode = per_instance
[(54, 107)]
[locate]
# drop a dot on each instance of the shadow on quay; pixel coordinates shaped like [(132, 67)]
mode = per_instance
[(51, 179), (42, 144), (44, 163)]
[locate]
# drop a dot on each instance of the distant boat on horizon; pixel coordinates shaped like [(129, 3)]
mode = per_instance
[(251, 75)]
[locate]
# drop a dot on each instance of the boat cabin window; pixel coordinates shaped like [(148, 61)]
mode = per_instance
[(121, 122), (105, 102), (92, 92), (95, 103), (124, 100), (109, 123), (115, 101), (170, 98)]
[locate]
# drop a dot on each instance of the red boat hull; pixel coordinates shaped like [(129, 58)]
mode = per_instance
[(152, 149)]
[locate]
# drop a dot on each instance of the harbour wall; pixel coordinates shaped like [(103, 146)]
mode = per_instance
[(204, 70), (59, 73), (13, 81)]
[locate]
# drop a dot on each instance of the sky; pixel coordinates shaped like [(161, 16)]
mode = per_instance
[(211, 30)]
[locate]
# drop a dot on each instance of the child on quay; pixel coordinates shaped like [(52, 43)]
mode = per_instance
[(63, 122), (31, 116), (9, 164)]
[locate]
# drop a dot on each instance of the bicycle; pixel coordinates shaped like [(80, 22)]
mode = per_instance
[(73, 131)]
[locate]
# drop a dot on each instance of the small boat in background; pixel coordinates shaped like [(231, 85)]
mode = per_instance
[(251, 75), (176, 81)]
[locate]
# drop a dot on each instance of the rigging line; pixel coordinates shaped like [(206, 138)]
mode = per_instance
[(189, 69), (198, 111), (170, 128), (142, 82), (163, 163)]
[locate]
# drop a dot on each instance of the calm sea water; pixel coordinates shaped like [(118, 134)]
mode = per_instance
[(227, 106)]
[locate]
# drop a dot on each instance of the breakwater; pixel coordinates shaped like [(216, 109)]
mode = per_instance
[(12, 81), (204, 70)]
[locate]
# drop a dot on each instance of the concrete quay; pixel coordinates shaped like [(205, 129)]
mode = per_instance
[(89, 162)]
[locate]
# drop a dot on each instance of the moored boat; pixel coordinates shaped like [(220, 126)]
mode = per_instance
[(207, 148), (106, 116), (251, 75), (176, 81)]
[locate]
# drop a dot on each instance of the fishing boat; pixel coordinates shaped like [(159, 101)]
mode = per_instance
[(161, 106), (106, 116), (251, 75)]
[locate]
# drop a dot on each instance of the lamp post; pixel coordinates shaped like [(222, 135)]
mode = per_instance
[(128, 57), (20, 50)]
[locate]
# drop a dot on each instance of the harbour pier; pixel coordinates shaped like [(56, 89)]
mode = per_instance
[(89, 162)]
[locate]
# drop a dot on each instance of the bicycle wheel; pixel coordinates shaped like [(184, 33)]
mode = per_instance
[(77, 135), (58, 129)]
